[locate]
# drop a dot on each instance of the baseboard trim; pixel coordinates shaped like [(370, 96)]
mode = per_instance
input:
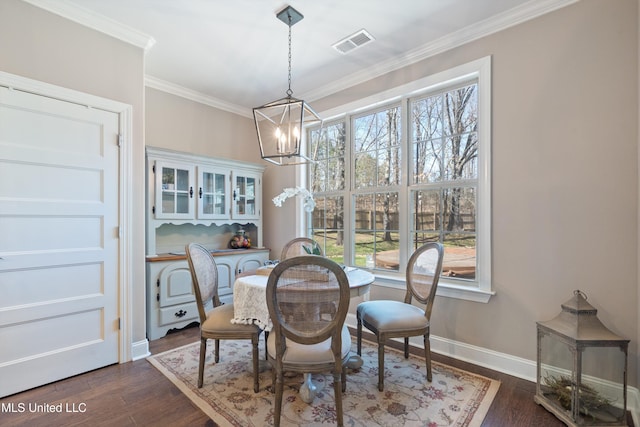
[(501, 362), (140, 350)]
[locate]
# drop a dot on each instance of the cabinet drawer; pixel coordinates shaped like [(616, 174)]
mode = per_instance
[(178, 313)]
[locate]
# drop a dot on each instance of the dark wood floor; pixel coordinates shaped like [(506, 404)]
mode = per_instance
[(136, 394)]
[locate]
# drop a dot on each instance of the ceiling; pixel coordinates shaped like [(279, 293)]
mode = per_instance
[(233, 54)]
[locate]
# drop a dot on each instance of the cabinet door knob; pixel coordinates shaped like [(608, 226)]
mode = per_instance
[(191, 192), (200, 192), (181, 313)]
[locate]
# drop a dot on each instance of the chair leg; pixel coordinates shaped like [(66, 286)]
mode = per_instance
[(406, 347), (273, 377), (203, 353), (279, 386), (256, 356), (359, 334), (266, 351), (380, 364), (427, 356), (337, 390), (217, 352)]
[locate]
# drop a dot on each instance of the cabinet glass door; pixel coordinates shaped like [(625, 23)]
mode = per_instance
[(174, 191), (245, 197), (213, 199)]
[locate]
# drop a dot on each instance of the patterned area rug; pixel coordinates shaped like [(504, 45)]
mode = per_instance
[(454, 397)]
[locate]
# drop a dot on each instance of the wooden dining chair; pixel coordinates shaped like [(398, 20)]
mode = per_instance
[(300, 246), (395, 319), (306, 340), (215, 317)]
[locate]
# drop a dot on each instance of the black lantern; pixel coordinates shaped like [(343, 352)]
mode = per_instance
[(582, 367)]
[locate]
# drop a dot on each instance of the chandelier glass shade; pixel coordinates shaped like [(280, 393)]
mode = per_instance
[(280, 124)]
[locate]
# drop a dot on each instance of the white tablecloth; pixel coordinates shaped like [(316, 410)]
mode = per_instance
[(250, 301), (250, 296)]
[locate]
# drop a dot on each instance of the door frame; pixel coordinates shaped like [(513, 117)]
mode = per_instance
[(125, 196)]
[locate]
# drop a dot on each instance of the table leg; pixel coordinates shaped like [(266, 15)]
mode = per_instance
[(354, 362), (307, 389)]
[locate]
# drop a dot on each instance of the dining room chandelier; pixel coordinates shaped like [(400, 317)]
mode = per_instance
[(280, 123)]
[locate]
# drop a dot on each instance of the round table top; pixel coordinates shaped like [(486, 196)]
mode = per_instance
[(249, 294), (357, 278)]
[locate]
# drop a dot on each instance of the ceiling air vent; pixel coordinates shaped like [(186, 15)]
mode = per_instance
[(354, 41)]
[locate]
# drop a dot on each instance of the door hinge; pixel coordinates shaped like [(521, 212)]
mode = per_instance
[(120, 140), (119, 324), (157, 297), (153, 210), (153, 168)]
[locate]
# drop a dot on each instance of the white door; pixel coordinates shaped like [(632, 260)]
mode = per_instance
[(58, 239)]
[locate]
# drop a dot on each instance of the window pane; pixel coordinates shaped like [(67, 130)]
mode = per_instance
[(426, 208), (183, 180), (168, 178), (448, 215), (426, 115), (365, 169), (376, 236), (419, 239), (461, 110), (328, 173), (459, 209), (377, 152), (456, 158), (427, 164), (460, 156), (459, 256), (388, 167), (328, 226)]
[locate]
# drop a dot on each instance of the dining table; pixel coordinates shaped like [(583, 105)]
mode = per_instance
[(250, 307)]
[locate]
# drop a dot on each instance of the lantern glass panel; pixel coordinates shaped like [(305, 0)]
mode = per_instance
[(556, 369), (583, 383)]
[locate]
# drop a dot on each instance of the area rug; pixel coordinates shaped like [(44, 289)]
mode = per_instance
[(454, 397)]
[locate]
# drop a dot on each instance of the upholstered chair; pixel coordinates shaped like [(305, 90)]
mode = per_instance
[(215, 317), (304, 337), (300, 246), (395, 319)]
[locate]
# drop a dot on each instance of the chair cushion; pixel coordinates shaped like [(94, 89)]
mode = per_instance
[(310, 354), (391, 316), (219, 320)]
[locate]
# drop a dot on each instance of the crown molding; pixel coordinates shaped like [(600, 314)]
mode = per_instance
[(95, 21), (510, 18), (174, 89), (500, 22)]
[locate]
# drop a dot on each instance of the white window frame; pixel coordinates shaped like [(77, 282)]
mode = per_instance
[(479, 69)]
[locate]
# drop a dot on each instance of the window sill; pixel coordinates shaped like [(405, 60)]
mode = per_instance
[(445, 289)]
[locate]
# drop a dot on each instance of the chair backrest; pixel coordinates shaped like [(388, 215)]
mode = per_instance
[(423, 273), (204, 276), (300, 246), (298, 292)]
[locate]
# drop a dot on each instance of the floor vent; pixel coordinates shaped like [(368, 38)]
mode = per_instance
[(353, 41)]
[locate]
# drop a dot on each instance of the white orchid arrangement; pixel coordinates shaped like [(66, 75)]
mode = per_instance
[(309, 203)]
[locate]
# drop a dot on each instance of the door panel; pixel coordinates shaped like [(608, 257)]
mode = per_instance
[(59, 247)]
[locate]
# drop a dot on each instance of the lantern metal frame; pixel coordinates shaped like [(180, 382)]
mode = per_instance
[(280, 124), (577, 329)]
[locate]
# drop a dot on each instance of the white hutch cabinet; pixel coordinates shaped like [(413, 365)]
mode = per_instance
[(196, 199)]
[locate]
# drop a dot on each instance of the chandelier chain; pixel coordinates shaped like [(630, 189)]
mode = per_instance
[(289, 91)]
